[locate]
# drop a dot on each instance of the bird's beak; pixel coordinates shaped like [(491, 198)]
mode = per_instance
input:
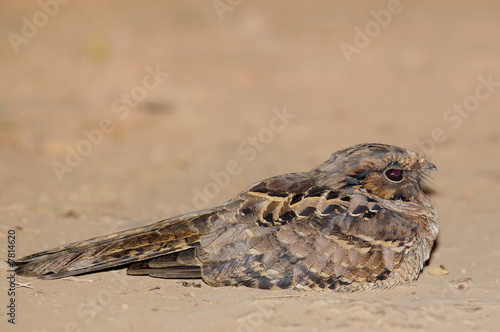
[(428, 166)]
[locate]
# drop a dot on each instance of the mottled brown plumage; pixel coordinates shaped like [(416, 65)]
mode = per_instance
[(358, 221)]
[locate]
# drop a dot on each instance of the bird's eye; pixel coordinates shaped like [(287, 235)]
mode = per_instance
[(394, 174)]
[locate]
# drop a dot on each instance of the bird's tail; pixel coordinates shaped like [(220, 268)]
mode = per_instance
[(121, 248)]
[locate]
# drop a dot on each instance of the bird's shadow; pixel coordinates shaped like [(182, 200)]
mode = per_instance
[(434, 248)]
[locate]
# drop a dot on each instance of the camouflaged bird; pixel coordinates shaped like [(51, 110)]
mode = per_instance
[(358, 221)]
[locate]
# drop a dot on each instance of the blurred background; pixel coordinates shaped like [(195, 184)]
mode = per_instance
[(118, 113)]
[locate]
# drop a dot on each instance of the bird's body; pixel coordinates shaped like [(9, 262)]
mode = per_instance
[(358, 221)]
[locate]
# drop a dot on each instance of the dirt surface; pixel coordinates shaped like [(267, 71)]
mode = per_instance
[(120, 113)]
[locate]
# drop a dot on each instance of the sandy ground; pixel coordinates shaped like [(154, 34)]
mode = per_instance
[(418, 79)]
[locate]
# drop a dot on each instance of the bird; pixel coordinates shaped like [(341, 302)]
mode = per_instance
[(361, 220)]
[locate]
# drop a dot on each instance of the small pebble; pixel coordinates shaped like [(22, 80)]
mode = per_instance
[(438, 270)]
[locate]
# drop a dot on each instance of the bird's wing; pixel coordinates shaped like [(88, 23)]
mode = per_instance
[(151, 249)]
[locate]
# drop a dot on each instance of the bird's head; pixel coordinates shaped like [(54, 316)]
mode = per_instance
[(386, 171)]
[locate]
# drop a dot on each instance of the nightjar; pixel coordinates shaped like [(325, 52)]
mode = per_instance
[(359, 221)]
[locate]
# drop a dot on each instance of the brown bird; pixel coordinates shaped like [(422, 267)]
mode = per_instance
[(358, 221)]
